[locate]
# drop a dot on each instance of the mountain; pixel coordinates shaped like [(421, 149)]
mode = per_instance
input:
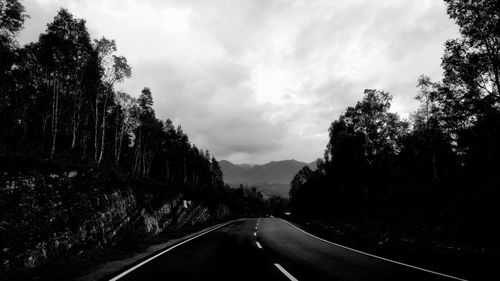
[(272, 178)]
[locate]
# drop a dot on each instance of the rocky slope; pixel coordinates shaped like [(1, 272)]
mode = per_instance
[(47, 216)]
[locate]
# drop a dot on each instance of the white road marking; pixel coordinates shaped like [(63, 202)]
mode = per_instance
[(258, 245), (163, 252), (255, 234), (374, 256), (255, 228), (287, 274)]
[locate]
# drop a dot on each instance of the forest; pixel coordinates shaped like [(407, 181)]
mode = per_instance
[(59, 102), (432, 176)]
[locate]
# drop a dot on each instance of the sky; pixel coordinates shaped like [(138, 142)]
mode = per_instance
[(259, 80)]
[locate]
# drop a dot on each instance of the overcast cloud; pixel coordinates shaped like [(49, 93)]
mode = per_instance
[(255, 81)]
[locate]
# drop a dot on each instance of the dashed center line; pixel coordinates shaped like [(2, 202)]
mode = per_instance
[(258, 245), (255, 234), (287, 274)]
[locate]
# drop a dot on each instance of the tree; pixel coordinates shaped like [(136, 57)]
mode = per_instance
[(431, 139), (124, 125), (12, 17), (380, 128), (217, 174), (299, 180), (65, 55), (345, 152), (471, 63), (297, 193), (148, 134), (114, 69)]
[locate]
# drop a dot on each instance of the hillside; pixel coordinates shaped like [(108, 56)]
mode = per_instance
[(272, 178)]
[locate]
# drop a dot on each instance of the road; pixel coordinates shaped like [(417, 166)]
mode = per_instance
[(268, 249)]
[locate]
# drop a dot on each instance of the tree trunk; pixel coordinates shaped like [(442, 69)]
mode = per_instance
[(136, 169), (143, 164), (96, 126), (55, 113), (184, 174), (167, 170), (434, 169), (120, 143), (76, 118), (117, 137), (44, 129), (103, 129), (148, 163), (85, 138)]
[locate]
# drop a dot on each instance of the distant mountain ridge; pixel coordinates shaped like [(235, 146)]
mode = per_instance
[(272, 178)]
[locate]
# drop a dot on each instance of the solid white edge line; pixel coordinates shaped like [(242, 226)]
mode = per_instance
[(374, 256), (166, 250), (287, 274), (258, 245)]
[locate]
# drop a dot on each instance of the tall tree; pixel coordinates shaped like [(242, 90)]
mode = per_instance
[(125, 123), (115, 69), (65, 54), (380, 127), (147, 134), (12, 17), (471, 62)]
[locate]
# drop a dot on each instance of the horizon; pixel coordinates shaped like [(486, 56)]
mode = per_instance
[(271, 91), (264, 163)]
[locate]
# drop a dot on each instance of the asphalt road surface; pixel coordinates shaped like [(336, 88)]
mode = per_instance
[(268, 249)]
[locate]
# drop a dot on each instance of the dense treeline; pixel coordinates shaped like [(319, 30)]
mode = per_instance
[(59, 102), (434, 175), (249, 201)]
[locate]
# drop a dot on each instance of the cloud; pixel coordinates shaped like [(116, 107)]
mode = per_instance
[(214, 104), (254, 81)]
